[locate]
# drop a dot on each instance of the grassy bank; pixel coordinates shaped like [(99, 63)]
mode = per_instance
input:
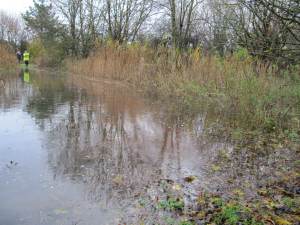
[(246, 99)]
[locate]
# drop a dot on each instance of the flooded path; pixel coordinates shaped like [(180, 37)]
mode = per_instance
[(80, 152)]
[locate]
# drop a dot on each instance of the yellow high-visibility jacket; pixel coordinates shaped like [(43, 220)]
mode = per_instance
[(26, 56)]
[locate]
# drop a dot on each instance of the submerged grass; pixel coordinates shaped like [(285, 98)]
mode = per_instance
[(243, 96)]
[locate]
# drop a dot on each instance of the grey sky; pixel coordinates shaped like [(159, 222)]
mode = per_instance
[(15, 6)]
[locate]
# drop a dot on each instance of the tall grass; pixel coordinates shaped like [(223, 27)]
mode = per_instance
[(246, 96), (7, 57)]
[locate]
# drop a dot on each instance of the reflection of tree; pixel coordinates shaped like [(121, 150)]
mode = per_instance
[(105, 141), (10, 92), (104, 136), (48, 94), (171, 153), (98, 142), (115, 145)]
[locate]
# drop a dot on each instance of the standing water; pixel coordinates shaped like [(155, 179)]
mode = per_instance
[(74, 151)]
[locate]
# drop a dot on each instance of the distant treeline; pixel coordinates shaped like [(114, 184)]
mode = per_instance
[(267, 29)]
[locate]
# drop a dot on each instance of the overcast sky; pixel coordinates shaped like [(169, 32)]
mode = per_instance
[(15, 6)]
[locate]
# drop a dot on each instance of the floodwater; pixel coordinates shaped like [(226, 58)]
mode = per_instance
[(75, 151)]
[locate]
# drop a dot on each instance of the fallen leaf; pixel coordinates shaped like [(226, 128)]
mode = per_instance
[(118, 180), (176, 187), (281, 221), (190, 179), (215, 168)]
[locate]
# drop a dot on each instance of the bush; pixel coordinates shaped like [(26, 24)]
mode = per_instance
[(242, 54), (42, 56)]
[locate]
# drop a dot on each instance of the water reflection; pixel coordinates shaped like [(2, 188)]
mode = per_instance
[(102, 135), (117, 144), (26, 76), (11, 91), (114, 145)]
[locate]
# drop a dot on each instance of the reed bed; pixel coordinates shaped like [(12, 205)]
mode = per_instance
[(7, 57), (238, 89)]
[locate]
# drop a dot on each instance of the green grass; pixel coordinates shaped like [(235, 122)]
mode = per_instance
[(171, 204), (232, 214), (248, 104)]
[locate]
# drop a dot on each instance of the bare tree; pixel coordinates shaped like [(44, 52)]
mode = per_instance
[(11, 29), (124, 18), (269, 29), (183, 16), (69, 9), (213, 30)]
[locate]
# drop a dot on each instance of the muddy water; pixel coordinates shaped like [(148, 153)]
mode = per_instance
[(74, 151)]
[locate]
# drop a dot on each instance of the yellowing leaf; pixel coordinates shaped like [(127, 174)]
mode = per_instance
[(238, 192), (201, 215), (215, 168), (118, 180), (176, 187), (281, 221)]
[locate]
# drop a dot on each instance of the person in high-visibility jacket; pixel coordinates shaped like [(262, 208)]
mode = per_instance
[(26, 57)]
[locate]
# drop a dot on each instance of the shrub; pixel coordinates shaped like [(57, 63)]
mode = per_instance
[(53, 55), (241, 54)]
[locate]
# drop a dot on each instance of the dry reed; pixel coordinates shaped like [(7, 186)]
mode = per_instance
[(161, 71), (228, 86), (7, 57)]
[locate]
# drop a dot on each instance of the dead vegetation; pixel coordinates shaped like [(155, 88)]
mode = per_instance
[(7, 58)]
